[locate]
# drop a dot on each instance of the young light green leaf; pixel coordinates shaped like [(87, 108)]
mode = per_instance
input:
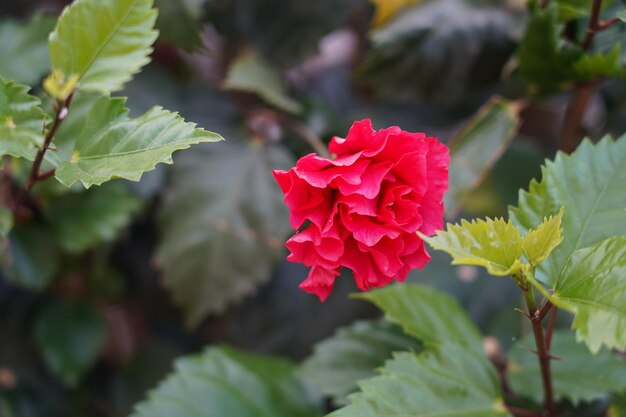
[(225, 382), (621, 15), (82, 220), (24, 49), (21, 121), (590, 185), (111, 145), (450, 381), (427, 314), (478, 146), (577, 375), (250, 73), (540, 242), (6, 221), (593, 286), (70, 337), (591, 66), (222, 223), (352, 354), (493, 244), (103, 42)]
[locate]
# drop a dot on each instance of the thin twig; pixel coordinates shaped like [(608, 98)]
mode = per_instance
[(571, 133), (541, 314), (544, 363), (594, 24), (62, 107), (310, 137), (550, 328)]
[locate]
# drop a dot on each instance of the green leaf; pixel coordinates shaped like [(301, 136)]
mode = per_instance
[(111, 145), (414, 56), (70, 337), (251, 73), (476, 149), (223, 224), (621, 15), (352, 354), (225, 382), (24, 52), (21, 121), (33, 257), (577, 375), (590, 185), (6, 221), (593, 286), (180, 22), (82, 220), (540, 242), (493, 244), (103, 42), (427, 314), (544, 62), (450, 381), (574, 9), (591, 66)]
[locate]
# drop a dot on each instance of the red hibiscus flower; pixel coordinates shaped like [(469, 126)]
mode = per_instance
[(361, 210)]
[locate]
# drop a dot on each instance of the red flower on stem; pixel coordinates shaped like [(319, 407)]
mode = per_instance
[(363, 208)]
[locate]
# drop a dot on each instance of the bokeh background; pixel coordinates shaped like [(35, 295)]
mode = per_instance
[(192, 255)]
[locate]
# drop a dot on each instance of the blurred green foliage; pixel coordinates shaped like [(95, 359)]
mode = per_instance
[(101, 289)]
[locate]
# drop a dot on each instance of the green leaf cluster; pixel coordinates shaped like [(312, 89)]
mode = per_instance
[(451, 376), (498, 245), (226, 382), (584, 274)]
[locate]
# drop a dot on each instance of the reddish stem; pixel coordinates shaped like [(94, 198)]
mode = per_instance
[(34, 176), (594, 24), (544, 362), (550, 328)]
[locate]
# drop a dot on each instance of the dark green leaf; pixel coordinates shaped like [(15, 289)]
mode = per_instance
[(21, 121), (427, 314), (70, 337), (225, 382), (251, 74), (590, 185), (352, 354), (577, 375), (544, 61), (24, 49), (476, 148), (103, 42), (417, 56), (111, 145), (223, 224), (450, 381), (33, 258), (179, 22), (82, 220)]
